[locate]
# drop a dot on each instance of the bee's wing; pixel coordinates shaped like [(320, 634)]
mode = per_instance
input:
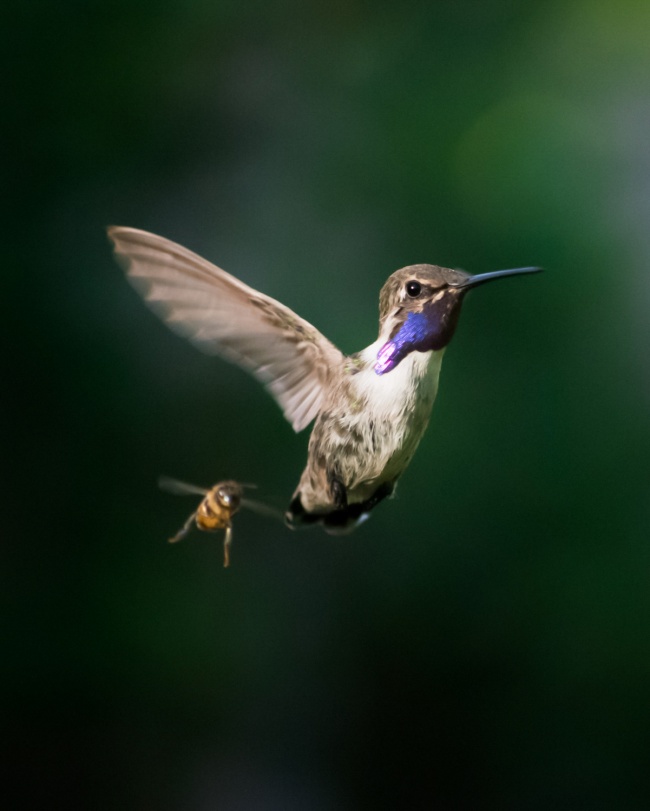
[(262, 509), (226, 317), (179, 488)]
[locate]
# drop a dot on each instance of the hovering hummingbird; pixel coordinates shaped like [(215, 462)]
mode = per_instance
[(370, 408)]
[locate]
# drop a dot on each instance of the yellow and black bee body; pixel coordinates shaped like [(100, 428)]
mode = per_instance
[(217, 508)]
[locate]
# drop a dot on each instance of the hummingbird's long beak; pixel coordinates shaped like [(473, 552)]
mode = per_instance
[(481, 278)]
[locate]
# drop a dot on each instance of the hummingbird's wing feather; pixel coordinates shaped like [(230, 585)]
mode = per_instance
[(226, 317)]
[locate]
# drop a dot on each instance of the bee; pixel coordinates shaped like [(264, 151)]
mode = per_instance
[(216, 510)]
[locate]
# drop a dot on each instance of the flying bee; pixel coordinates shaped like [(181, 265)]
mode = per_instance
[(220, 502)]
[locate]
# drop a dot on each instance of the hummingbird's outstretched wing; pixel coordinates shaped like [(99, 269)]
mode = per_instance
[(226, 317)]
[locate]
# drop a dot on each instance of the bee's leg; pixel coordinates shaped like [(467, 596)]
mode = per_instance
[(227, 541), (182, 532)]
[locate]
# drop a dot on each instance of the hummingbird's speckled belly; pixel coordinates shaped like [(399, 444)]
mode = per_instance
[(369, 437)]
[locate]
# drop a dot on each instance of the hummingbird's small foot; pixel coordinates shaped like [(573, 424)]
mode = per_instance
[(338, 491)]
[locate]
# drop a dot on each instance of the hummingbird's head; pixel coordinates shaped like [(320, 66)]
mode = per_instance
[(419, 307)]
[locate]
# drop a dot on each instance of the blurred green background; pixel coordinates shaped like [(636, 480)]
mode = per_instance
[(483, 641)]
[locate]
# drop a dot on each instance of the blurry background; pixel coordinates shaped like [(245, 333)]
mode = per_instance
[(483, 641)]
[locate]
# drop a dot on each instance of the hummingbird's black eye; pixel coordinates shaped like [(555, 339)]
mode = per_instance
[(413, 288)]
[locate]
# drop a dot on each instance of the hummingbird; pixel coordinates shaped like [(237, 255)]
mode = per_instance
[(370, 409)]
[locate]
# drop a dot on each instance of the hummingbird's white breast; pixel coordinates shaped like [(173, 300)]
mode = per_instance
[(407, 391), (399, 405)]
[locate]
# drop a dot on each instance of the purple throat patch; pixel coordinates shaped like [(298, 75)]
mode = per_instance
[(412, 335)]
